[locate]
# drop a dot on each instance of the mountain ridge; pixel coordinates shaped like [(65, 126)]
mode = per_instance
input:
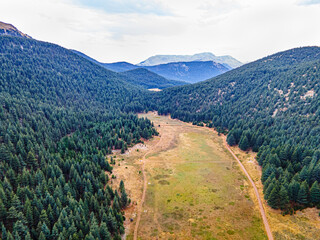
[(205, 56), (10, 30), (191, 72), (140, 76), (179, 71)]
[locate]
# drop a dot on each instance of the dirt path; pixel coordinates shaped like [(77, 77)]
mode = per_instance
[(143, 197), (145, 184), (262, 211)]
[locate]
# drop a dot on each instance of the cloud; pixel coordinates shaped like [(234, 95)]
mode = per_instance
[(125, 6), (133, 30), (309, 2)]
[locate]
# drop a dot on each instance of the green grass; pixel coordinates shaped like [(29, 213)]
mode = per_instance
[(193, 194)]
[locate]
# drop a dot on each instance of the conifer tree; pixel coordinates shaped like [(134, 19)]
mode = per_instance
[(244, 143), (273, 199), (283, 198), (315, 193), (303, 193), (231, 140)]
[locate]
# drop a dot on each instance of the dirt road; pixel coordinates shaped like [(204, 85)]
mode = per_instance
[(262, 211), (145, 184), (142, 199)]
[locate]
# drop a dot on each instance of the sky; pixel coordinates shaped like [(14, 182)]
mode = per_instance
[(133, 30)]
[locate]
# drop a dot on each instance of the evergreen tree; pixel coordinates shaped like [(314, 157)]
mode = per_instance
[(244, 143), (283, 198), (315, 193), (274, 197), (4, 234), (231, 140), (303, 194), (3, 211)]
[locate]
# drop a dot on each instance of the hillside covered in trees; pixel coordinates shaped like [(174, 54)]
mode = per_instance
[(271, 106), (146, 79), (60, 115)]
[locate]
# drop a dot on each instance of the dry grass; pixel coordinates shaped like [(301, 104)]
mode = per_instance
[(195, 189), (303, 225)]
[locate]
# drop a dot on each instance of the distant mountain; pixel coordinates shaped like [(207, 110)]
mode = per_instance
[(189, 71), (163, 59), (135, 75), (120, 66), (115, 67), (146, 79), (10, 30)]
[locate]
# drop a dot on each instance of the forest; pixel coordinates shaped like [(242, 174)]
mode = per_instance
[(271, 106), (60, 116)]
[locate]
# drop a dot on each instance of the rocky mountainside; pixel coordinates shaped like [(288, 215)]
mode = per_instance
[(10, 30), (163, 59)]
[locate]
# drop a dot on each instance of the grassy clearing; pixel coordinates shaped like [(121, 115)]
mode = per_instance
[(194, 189)]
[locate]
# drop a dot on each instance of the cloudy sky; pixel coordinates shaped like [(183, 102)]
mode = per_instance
[(132, 30)]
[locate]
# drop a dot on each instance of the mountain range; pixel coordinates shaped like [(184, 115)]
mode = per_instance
[(229, 61), (187, 71)]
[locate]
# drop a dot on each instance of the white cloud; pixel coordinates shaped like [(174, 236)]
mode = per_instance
[(246, 29)]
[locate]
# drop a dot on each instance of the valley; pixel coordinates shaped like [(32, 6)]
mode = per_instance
[(85, 155), (195, 188)]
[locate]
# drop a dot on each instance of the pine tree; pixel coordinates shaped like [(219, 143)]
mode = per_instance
[(31, 160), (273, 199), (3, 212), (315, 193), (124, 199), (29, 213), (121, 186), (15, 202), (42, 236), (12, 214), (28, 236), (293, 190), (5, 156), (244, 143), (20, 228), (104, 233), (45, 230), (44, 218), (283, 198), (4, 234), (303, 194), (231, 140)]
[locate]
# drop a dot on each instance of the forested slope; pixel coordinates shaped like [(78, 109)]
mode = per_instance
[(272, 106), (59, 116), (146, 79)]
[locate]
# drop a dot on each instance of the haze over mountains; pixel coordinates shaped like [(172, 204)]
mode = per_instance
[(185, 68)]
